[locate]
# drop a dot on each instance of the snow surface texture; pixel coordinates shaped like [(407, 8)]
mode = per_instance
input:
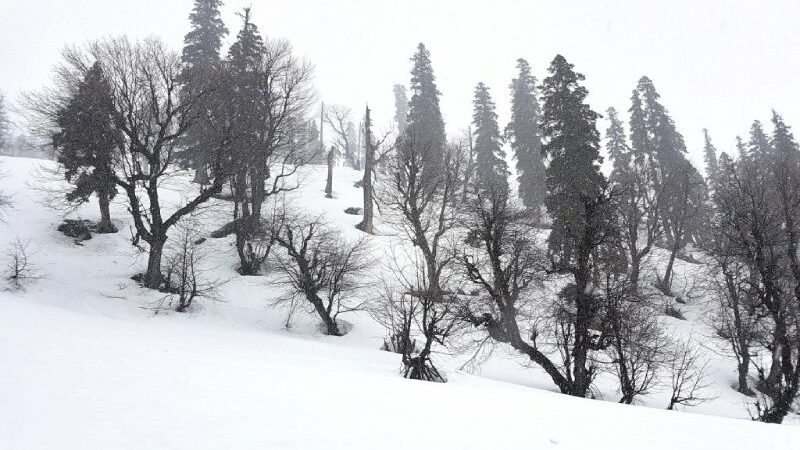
[(85, 363)]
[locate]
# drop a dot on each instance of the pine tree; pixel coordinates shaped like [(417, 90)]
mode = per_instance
[(759, 145), (617, 144), (425, 123), (577, 202), (244, 65), (491, 168), (526, 139), (662, 137), (640, 143), (710, 157), (783, 143), (400, 108), (201, 71), (86, 142), (744, 153)]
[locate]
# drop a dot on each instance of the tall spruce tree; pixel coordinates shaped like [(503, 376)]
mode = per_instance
[(526, 139), (579, 205), (85, 144), (243, 69), (759, 145), (710, 157), (491, 169), (617, 144), (400, 108), (201, 71), (425, 123)]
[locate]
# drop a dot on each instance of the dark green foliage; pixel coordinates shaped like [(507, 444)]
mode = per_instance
[(581, 209), (572, 142), (526, 140), (87, 140), (425, 123), (202, 67), (710, 157), (491, 168)]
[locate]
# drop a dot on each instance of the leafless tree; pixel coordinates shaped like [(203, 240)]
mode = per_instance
[(639, 203), (734, 318), (423, 208), (185, 278), (689, 375), (20, 270), (320, 267), (636, 342), (340, 120)]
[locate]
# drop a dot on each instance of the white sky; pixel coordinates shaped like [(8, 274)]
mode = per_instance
[(717, 64)]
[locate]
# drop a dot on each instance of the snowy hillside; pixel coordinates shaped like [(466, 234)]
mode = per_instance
[(88, 359)]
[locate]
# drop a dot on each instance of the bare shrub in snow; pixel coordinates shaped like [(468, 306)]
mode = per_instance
[(184, 277), (689, 375), (320, 267), (19, 268)]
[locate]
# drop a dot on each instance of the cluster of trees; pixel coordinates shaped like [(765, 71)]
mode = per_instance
[(124, 117), (452, 204)]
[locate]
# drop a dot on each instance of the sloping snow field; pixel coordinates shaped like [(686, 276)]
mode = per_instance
[(86, 363)]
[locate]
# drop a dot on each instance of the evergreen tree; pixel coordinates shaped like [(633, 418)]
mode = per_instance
[(579, 205), (640, 144), (617, 144), (526, 139), (784, 146), (491, 168), (201, 71), (400, 108), (662, 137), (86, 142), (759, 145), (425, 123), (744, 153), (710, 157)]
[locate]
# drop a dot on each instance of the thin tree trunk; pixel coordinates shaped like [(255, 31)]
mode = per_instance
[(366, 224), (105, 225), (329, 183)]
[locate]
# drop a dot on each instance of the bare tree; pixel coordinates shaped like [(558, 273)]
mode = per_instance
[(639, 205), (636, 342), (689, 375), (340, 119), (185, 279), (320, 267), (19, 268), (423, 208), (735, 318), (681, 207)]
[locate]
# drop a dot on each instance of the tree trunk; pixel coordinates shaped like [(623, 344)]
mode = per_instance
[(105, 225), (744, 369), (153, 276), (201, 174), (366, 224), (329, 183)]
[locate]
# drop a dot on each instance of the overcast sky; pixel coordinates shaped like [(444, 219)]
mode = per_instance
[(717, 64)]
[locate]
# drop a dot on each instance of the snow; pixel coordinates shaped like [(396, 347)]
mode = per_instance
[(86, 363)]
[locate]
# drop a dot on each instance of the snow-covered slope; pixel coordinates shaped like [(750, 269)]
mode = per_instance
[(85, 363)]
